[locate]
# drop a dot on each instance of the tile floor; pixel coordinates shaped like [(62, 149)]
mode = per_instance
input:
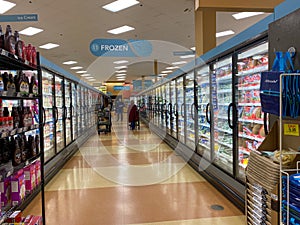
[(131, 177)]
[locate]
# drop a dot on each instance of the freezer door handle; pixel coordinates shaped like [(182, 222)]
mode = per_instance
[(44, 116), (192, 111), (175, 107), (170, 108), (56, 114), (206, 113), (231, 105), (181, 109)]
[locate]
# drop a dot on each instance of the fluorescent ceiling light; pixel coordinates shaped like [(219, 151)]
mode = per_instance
[(49, 46), (120, 30), (120, 67), (121, 71), (121, 74), (224, 33), (69, 62), (167, 71), (172, 67), (5, 6), (120, 5), (30, 31), (82, 71), (121, 62), (121, 79), (193, 48), (187, 56), (76, 67), (89, 77), (92, 80), (243, 15), (85, 75), (179, 63)]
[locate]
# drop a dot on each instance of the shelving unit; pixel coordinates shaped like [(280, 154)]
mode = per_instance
[(12, 169)]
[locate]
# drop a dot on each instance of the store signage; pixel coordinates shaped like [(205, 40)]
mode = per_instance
[(121, 88), (19, 18), (291, 129), (120, 48)]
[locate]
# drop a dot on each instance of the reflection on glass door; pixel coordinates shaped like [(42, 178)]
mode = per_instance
[(204, 123), (48, 102), (190, 110), (222, 102), (59, 112), (79, 108), (250, 118), (174, 109), (181, 109), (68, 111), (74, 111)]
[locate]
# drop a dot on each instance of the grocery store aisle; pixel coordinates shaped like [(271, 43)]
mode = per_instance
[(132, 177)]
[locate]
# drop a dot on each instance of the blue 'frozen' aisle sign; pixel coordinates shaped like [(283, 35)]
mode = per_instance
[(19, 18), (120, 48)]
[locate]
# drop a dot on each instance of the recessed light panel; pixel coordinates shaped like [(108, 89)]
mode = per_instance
[(187, 56), (49, 46), (120, 5), (243, 15), (5, 6), (76, 68), (69, 62), (224, 33), (85, 75), (120, 67), (179, 63), (82, 71), (121, 62), (30, 31), (120, 30)]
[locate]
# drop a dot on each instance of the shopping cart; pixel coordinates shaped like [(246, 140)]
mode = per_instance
[(104, 121)]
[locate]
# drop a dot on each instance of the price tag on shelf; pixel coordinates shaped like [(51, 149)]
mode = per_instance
[(291, 129)]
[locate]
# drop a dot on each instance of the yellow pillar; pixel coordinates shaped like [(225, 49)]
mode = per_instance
[(205, 30), (155, 69)]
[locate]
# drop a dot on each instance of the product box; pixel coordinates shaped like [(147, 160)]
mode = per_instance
[(38, 172), (17, 187), (30, 178), (15, 217), (5, 191), (36, 220)]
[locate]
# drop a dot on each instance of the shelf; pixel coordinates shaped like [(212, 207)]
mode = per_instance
[(226, 77), (9, 61), (224, 91), (225, 131), (251, 121), (251, 137), (253, 71), (18, 96), (204, 125), (244, 150), (18, 131), (249, 88), (222, 117), (203, 145), (249, 104), (204, 135), (225, 144)]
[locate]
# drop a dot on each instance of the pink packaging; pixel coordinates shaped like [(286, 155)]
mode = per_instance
[(5, 191), (30, 179), (17, 187), (38, 172)]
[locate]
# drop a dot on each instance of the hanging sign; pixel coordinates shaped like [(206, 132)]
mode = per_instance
[(19, 18), (120, 48)]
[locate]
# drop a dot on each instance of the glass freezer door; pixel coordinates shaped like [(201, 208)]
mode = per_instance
[(67, 112), (181, 106), (222, 102), (74, 113), (251, 131), (190, 110), (48, 102), (203, 97), (59, 110), (174, 109)]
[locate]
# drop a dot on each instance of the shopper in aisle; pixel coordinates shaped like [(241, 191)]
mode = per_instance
[(119, 109), (132, 114)]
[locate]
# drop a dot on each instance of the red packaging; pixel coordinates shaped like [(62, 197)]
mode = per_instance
[(36, 220), (16, 217)]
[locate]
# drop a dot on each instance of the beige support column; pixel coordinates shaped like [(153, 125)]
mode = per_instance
[(205, 30), (155, 69)]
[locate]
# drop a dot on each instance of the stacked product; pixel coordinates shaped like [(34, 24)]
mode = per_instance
[(262, 179), (16, 218), (14, 188), (12, 44), (291, 202)]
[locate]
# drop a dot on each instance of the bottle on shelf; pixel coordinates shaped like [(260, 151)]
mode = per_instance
[(6, 150), (31, 146), (16, 152), (11, 86), (37, 143), (28, 53), (9, 40), (5, 81), (20, 46), (33, 86), (1, 38), (16, 117), (1, 85)]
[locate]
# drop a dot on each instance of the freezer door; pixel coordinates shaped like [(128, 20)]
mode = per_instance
[(222, 113), (204, 116), (190, 110), (181, 109), (251, 131), (74, 109), (59, 114), (173, 109), (49, 120), (67, 112)]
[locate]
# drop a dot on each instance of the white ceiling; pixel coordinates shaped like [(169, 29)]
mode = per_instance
[(74, 24)]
